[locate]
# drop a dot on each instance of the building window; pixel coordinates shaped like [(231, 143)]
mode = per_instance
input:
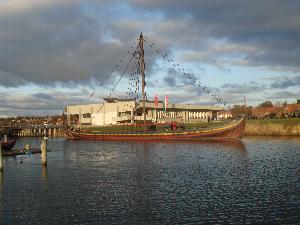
[(86, 115)]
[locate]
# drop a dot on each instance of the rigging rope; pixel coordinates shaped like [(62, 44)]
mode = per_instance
[(165, 56), (119, 79), (122, 60)]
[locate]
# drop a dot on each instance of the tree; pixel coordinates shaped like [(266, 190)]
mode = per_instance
[(266, 104), (239, 110)]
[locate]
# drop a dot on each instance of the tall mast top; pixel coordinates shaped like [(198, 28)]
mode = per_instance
[(142, 69)]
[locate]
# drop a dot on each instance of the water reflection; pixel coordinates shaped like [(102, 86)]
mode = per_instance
[(213, 182), (229, 144), (1, 184), (45, 176)]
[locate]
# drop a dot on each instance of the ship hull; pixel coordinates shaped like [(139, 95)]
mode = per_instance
[(6, 146), (230, 131)]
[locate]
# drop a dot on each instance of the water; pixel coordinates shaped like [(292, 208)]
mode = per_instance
[(253, 181)]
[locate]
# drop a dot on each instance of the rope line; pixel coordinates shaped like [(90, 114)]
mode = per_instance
[(119, 79), (122, 60), (177, 66)]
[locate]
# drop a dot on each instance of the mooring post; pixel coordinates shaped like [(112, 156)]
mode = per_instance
[(1, 158), (27, 147), (5, 138), (44, 152)]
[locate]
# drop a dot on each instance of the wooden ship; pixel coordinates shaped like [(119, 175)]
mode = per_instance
[(231, 130), (7, 144)]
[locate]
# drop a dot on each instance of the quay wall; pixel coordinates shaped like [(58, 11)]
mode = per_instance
[(37, 132), (287, 127)]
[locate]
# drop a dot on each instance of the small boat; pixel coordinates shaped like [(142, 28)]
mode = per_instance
[(8, 145), (233, 129)]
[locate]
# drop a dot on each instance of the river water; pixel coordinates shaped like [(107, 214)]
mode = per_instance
[(252, 181)]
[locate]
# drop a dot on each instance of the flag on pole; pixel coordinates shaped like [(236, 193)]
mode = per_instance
[(156, 100), (166, 102)]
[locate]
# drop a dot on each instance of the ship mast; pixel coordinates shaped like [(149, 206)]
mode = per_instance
[(142, 69)]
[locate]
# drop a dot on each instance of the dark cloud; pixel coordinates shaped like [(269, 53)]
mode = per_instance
[(175, 78), (69, 43), (258, 33), (286, 82), (11, 80), (53, 101), (77, 41), (170, 81), (42, 96), (284, 95), (171, 78), (252, 87), (59, 42)]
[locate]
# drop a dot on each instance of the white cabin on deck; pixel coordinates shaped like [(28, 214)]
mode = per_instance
[(117, 111)]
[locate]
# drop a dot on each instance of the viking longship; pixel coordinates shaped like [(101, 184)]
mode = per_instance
[(231, 129)]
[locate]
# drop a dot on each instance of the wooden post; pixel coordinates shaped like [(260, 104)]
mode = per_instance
[(44, 175), (27, 147), (1, 158), (44, 152), (5, 138)]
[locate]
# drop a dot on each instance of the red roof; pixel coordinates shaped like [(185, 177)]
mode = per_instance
[(292, 107), (259, 111)]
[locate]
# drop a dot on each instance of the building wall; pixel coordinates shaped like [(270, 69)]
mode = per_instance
[(112, 113)]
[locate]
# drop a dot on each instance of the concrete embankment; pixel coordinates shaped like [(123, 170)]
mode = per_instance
[(288, 127)]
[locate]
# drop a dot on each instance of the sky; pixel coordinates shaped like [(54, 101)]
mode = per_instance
[(55, 53)]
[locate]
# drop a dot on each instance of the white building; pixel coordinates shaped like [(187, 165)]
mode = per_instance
[(116, 111)]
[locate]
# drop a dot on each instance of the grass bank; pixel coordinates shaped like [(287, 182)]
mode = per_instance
[(273, 127)]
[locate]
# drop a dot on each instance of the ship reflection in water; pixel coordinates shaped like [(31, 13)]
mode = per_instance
[(94, 182)]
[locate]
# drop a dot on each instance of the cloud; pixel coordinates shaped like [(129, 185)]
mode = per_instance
[(284, 95), (57, 42), (252, 87), (43, 96), (70, 43), (252, 33), (177, 79), (53, 101), (286, 82)]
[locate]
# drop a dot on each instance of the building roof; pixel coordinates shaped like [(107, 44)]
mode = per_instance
[(292, 107), (260, 111), (114, 100)]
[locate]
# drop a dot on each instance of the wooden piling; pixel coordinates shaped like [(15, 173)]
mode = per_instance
[(27, 147), (44, 152), (1, 159)]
